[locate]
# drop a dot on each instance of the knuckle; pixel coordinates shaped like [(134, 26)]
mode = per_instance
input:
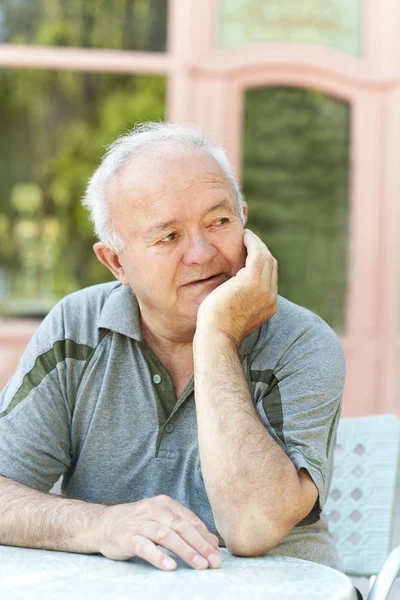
[(143, 508), (201, 529), (139, 544), (179, 524), (259, 262), (162, 498), (270, 259), (197, 523), (162, 532), (206, 548)]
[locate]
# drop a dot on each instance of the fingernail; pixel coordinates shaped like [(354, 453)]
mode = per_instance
[(214, 560), (200, 562), (168, 563)]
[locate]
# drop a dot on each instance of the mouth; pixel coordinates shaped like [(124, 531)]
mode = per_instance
[(218, 278)]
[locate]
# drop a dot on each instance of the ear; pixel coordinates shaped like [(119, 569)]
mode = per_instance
[(110, 259), (245, 213)]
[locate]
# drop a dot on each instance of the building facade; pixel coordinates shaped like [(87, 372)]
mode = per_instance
[(316, 89)]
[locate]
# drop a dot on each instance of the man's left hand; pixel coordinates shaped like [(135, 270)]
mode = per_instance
[(246, 301)]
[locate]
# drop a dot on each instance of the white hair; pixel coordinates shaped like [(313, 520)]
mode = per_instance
[(128, 146)]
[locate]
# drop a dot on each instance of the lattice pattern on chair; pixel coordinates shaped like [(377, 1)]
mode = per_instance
[(360, 508)]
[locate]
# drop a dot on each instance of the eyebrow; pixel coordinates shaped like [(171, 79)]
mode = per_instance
[(162, 226)]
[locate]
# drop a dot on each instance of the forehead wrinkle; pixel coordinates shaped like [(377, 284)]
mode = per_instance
[(149, 197), (211, 179), (171, 162)]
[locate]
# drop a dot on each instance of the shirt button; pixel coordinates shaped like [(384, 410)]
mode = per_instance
[(157, 378), (169, 428)]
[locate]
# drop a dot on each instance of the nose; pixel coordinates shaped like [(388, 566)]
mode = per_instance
[(198, 250)]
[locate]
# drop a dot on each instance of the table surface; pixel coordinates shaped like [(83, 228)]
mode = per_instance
[(33, 574)]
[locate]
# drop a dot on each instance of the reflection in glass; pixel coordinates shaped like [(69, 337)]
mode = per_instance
[(296, 164), (114, 24), (55, 126), (332, 23)]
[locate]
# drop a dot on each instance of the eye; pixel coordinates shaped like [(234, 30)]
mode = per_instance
[(171, 237), (221, 221)]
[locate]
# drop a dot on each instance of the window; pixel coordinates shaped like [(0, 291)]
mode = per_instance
[(296, 165), (55, 127)]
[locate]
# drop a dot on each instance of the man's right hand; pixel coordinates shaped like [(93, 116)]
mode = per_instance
[(128, 530)]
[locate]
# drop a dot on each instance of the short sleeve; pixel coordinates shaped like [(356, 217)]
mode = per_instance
[(35, 407), (299, 401)]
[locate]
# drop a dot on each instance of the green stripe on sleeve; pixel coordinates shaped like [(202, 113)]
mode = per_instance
[(272, 402), (310, 461), (45, 364), (334, 420)]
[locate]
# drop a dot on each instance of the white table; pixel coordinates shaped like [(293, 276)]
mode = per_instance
[(47, 575)]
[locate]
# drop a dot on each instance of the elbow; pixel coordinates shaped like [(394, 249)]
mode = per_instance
[(254, 531), (250, 540), (246, 548), (256, 537)]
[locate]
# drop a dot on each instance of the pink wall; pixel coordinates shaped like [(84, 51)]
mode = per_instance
[(14, 336)]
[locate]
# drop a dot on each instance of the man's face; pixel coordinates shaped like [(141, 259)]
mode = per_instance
[(184, 237)]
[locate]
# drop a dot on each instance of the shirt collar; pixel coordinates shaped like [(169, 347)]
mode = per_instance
[(120, 312)]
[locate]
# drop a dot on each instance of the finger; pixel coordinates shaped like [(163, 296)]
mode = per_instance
[(193, 519), (269, 261), (258, 241), (202, 529), (269, 276), (254, 258), (259, 256), (171, 540), (146, 549), (198, 541)]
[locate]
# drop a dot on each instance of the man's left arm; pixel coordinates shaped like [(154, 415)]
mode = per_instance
[(256, 494), (255, 491)]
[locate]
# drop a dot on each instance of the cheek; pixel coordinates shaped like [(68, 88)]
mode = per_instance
[(140, 275), (235, 251), (160, 274)]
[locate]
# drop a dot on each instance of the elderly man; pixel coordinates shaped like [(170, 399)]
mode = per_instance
[(186, 404)]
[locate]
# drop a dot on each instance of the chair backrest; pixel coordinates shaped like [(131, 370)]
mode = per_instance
[(360, 508)]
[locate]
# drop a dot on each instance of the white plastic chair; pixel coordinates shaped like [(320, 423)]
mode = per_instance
[(360, 508)]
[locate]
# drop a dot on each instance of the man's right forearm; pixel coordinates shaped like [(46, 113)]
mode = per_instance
[(33, 519)]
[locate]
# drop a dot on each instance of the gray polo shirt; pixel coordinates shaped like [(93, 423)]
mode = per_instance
[(91, 402)]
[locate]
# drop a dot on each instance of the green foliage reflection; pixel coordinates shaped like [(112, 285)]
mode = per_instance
[(296, 161), (55, 126), (113, 24)]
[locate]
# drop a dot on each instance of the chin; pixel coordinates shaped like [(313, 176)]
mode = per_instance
[(191, 312)]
